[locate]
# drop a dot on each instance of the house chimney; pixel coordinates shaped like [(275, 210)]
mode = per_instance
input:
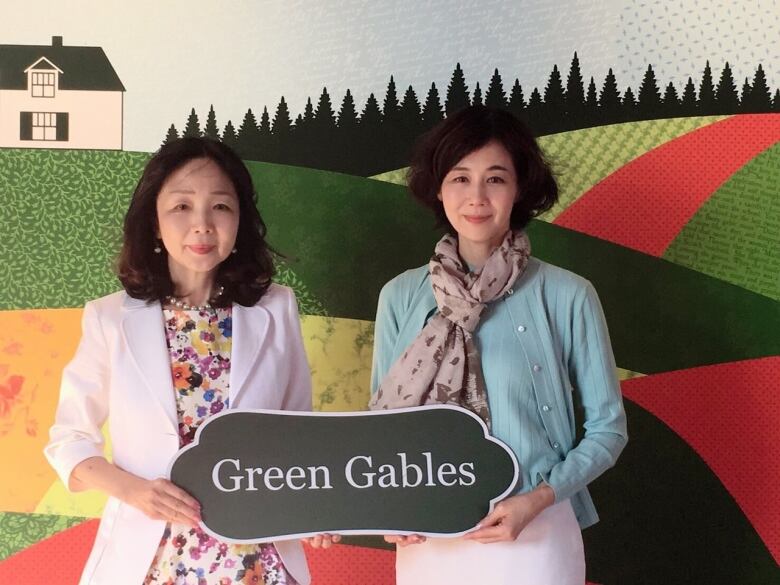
[(56, 41)]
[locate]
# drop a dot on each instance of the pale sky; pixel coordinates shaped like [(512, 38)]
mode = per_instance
[(173, 55)]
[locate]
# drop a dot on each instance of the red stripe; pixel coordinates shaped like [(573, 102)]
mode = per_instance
[(728, 413), (644, 204)]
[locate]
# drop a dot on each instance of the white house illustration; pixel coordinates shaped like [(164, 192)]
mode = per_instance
[(59, 97)]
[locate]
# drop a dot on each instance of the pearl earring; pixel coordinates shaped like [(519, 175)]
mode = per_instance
[(234, 250), (157, 249)]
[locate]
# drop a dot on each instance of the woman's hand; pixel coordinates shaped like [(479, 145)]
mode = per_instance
[(325, 540), (510, 516), (404, 539), (157, 498), (161, 499)]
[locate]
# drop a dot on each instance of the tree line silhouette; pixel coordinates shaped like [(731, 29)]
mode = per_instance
[(379, 137)]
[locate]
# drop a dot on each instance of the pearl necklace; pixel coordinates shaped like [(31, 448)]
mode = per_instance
[(179, 304)]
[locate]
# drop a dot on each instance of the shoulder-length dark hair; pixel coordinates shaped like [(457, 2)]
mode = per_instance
[(245, 275), (460, 134)]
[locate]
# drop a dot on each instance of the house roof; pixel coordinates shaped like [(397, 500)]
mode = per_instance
[(83, 68)]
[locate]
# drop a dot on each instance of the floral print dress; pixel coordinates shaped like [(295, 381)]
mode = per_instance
[(199, 343)]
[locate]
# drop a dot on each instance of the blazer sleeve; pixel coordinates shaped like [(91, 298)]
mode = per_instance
[(592, 372), (83, 404), (298, 394)]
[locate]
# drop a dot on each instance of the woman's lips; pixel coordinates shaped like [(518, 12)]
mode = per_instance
[(201, 249), (476, 218)]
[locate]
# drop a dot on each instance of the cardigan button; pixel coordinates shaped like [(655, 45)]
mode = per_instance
[(510, 291), (537, 368), (546, 408), (521, 328), (555, 445)]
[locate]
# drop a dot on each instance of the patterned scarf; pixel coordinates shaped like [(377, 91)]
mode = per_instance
[(442, 364)]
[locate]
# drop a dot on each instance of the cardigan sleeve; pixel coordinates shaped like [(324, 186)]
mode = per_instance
[(83, 404), (592, 372), (386, 329)]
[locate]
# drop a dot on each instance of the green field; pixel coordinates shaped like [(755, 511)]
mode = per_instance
[(343, 238)]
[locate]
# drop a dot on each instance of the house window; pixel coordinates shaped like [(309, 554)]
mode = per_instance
[(45, 126), (43, 84)]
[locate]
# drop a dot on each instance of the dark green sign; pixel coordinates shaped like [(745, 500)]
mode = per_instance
[(266, 475)]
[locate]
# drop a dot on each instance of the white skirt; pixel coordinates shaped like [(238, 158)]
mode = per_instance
[(548, 551)]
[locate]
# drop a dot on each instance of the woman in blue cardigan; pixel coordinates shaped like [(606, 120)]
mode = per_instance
[(516, 340)]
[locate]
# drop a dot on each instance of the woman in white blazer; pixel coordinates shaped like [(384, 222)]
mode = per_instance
[(193, 248)]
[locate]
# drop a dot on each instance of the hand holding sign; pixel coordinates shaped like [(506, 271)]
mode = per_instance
[(270, 475)]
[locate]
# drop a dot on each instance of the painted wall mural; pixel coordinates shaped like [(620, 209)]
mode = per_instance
[(663, 125)]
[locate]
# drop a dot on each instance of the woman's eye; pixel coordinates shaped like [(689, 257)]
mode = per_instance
[(496, 180), (180, 206), (222, 207), (460, 179)]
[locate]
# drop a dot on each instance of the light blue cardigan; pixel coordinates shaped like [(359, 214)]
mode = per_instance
[(543, 345)]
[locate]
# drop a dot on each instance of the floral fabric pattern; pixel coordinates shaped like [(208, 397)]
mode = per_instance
[(200, 344)]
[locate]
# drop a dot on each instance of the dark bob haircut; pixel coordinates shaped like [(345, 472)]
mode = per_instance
[(245, 275), (460, 134)]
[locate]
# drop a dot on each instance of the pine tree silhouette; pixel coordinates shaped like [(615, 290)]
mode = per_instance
[(432, 112), (193, 126), (281, 140), (324, 118), (248, 139), (390, 105), (477, 99), (347, 118), (229, 136), (671, 102), (744, 101), (554, 110), (516, 102), (265, 122), (347, 135), (649, 98), (457, 92), (211, 130), (282, 124), (171, 136), (776, 101), (495, 96), (628, 105), (591, 104), (688, 102), (410, 110), (368, 149), (534, 111), (371, 117), (308, 117), (575, 95), (726, 98), (706, 105), (410, 122), (610, 104), (759, 99)]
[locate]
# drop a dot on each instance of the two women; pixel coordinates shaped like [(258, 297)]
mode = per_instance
[(484, 324), (518, 341), (198, 328)]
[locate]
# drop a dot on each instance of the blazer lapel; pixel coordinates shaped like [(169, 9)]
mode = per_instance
[(144, 332), (250, 327)]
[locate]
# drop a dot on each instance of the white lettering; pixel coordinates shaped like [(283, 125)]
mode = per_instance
[(236, 478), (369, 476), (467, 470)]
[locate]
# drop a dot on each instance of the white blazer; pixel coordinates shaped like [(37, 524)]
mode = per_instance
[(122, 373)]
